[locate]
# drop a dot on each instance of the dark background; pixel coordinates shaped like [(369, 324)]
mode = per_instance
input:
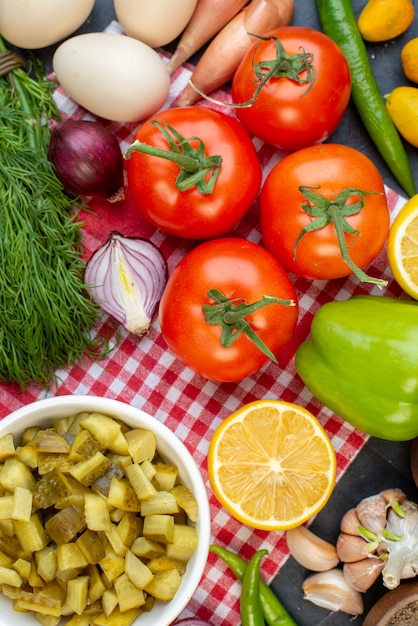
[(380, 464)]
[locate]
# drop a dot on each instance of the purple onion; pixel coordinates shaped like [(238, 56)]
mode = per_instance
[(87, 159), (192, 621), (126, 277)]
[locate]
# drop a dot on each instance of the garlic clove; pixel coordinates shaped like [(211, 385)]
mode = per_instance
[(331, 590), (362, 574), (350, 522), (351, 548), (311, 551), (371, 512), (393, 495)]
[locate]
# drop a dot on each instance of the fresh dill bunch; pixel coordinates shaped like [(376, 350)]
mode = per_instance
[(47, 314)]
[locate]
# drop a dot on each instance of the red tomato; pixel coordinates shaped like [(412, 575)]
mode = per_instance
[(328, 170), (192, 214), (287, 113), (238, 269)]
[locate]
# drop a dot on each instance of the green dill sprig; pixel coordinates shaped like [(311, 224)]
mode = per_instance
[(47, 314)]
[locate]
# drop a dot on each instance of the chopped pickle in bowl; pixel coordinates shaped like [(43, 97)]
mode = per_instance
[(95, 521)]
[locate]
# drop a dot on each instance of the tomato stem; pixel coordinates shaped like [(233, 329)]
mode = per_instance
[(296, 67), (325, 211), (196, 169), (230, 314)]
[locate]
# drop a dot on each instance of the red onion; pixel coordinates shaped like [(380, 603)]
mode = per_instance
[(87, 159), (192, 621), (126, 277)]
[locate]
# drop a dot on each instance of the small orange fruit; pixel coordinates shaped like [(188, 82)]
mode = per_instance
[(409, 59), (271, 465), (381, 20), (402, 106)]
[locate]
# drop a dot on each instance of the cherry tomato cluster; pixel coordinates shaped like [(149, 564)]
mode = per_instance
[(230, 305)]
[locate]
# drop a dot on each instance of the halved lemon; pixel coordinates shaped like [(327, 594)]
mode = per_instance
[(402, 247), (271, 465)]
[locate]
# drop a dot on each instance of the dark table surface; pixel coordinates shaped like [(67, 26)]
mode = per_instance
[(380, 464)]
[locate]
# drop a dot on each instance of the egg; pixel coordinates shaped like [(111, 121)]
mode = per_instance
[(32, 24), (156, 23), (113, 76)]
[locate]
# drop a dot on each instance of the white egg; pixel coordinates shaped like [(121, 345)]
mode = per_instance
[(32, 24), (113, 76), (155, 22)]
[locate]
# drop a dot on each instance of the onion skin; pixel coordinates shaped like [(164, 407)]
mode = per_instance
[(126, 277), (87, 159)]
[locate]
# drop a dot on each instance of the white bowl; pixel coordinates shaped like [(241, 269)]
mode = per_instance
[(44, 412)]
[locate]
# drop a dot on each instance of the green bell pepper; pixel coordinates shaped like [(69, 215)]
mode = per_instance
[(361, 362)]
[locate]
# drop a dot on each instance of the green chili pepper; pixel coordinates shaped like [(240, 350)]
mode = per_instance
[(361, 361), (250, 605), (338, 22), (275, 613)]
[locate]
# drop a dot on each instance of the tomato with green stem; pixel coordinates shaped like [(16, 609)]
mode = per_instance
[(292, 87), (324, 213), (193, 171), (227, 309)]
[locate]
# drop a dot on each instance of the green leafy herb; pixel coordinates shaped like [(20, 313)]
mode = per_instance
[(47, 316)]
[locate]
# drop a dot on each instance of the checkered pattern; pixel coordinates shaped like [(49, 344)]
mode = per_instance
[(142, 372)]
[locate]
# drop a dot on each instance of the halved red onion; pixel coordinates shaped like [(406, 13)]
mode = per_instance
[(87, 159), (126, 277)]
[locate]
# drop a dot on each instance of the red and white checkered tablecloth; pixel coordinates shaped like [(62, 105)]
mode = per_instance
[(142, 372)]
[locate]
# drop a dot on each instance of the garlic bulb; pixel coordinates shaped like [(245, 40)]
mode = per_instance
[(311, 551), (386, 540), (402, 558), (126, 277), (331, 590)]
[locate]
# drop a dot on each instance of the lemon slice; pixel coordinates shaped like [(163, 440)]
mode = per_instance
[(271, 465), (402, 247)]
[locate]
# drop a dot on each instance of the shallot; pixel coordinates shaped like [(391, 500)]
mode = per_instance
[(209, 17), (126, 277), (221, 58), (87, 159)]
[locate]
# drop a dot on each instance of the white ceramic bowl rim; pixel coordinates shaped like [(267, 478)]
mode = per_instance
[(44, 411)]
